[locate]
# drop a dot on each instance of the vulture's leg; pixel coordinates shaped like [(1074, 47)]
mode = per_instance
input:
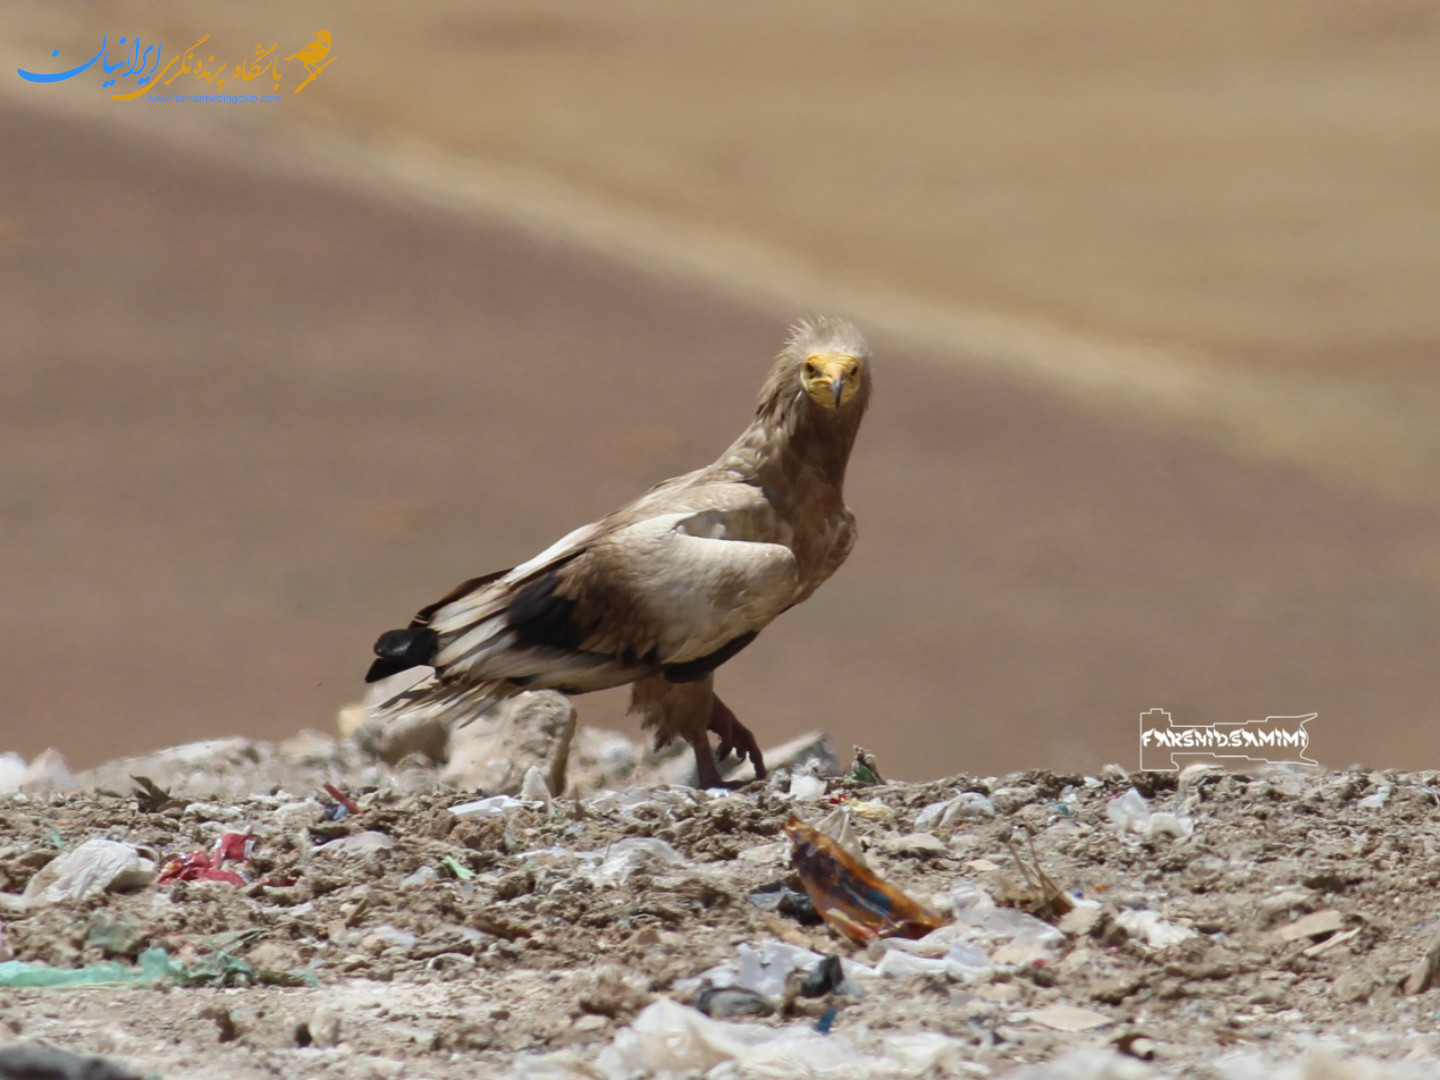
[(735, 737), (683, 709), (706, 771)]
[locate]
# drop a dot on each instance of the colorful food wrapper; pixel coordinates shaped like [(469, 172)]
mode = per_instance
[(850, 896)]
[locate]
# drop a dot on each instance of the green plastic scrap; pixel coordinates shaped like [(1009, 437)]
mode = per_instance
[(464, 873), (861, 773), (152, 965)]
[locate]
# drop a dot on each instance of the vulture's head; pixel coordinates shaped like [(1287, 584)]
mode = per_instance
[(832, 362)]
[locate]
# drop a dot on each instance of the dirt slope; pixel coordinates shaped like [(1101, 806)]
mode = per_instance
[(250, 419)]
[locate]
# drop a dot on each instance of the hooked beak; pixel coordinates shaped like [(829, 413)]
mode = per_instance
[(828, 386)]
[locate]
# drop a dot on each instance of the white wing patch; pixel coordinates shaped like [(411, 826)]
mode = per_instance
[(700, 590), (569, 542)]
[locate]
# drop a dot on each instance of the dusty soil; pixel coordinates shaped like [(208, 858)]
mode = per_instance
[(1301, 903)]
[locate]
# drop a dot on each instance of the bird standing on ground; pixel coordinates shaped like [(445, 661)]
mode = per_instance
[(666, 589)]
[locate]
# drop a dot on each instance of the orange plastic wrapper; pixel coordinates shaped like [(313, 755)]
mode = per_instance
[(849, 896)]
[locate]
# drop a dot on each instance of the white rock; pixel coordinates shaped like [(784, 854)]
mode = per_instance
[(1067, 1018), (533, 788)]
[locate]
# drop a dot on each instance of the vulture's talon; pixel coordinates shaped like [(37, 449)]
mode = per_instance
[(735, 738)]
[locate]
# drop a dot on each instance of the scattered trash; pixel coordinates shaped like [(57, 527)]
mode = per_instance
[(772, 967), (95, 866), (634, 854), (961, 961), (783, 900), (223, 969), (19, 974), (210, 865), (806, 788), (343, 801), (965, 806), (1377, 800), (824, 978), (864, 769), (1148, 926), (461, 873), (648, 882), (218, 968), (975, 908), (495, 804), (869, 810), (728, 1002), (1132, 814), (671, 1038), (849, 895)]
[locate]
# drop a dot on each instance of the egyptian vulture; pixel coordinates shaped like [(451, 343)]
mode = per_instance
[(666, 589)]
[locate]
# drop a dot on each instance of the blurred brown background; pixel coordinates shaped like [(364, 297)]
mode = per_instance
[(1151, 291)]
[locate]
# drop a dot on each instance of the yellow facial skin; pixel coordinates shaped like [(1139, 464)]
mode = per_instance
[(831, 379)]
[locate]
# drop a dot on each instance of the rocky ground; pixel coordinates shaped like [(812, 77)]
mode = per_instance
[(241, 921)]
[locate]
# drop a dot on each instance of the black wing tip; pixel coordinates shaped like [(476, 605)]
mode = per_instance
[(401, 650)]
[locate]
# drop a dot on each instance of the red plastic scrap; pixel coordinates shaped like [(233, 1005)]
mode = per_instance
[(234, 846), (849, 896), (350, 805), (208, 866)]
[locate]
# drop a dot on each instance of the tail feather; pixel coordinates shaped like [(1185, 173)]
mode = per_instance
[(401, 650)]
